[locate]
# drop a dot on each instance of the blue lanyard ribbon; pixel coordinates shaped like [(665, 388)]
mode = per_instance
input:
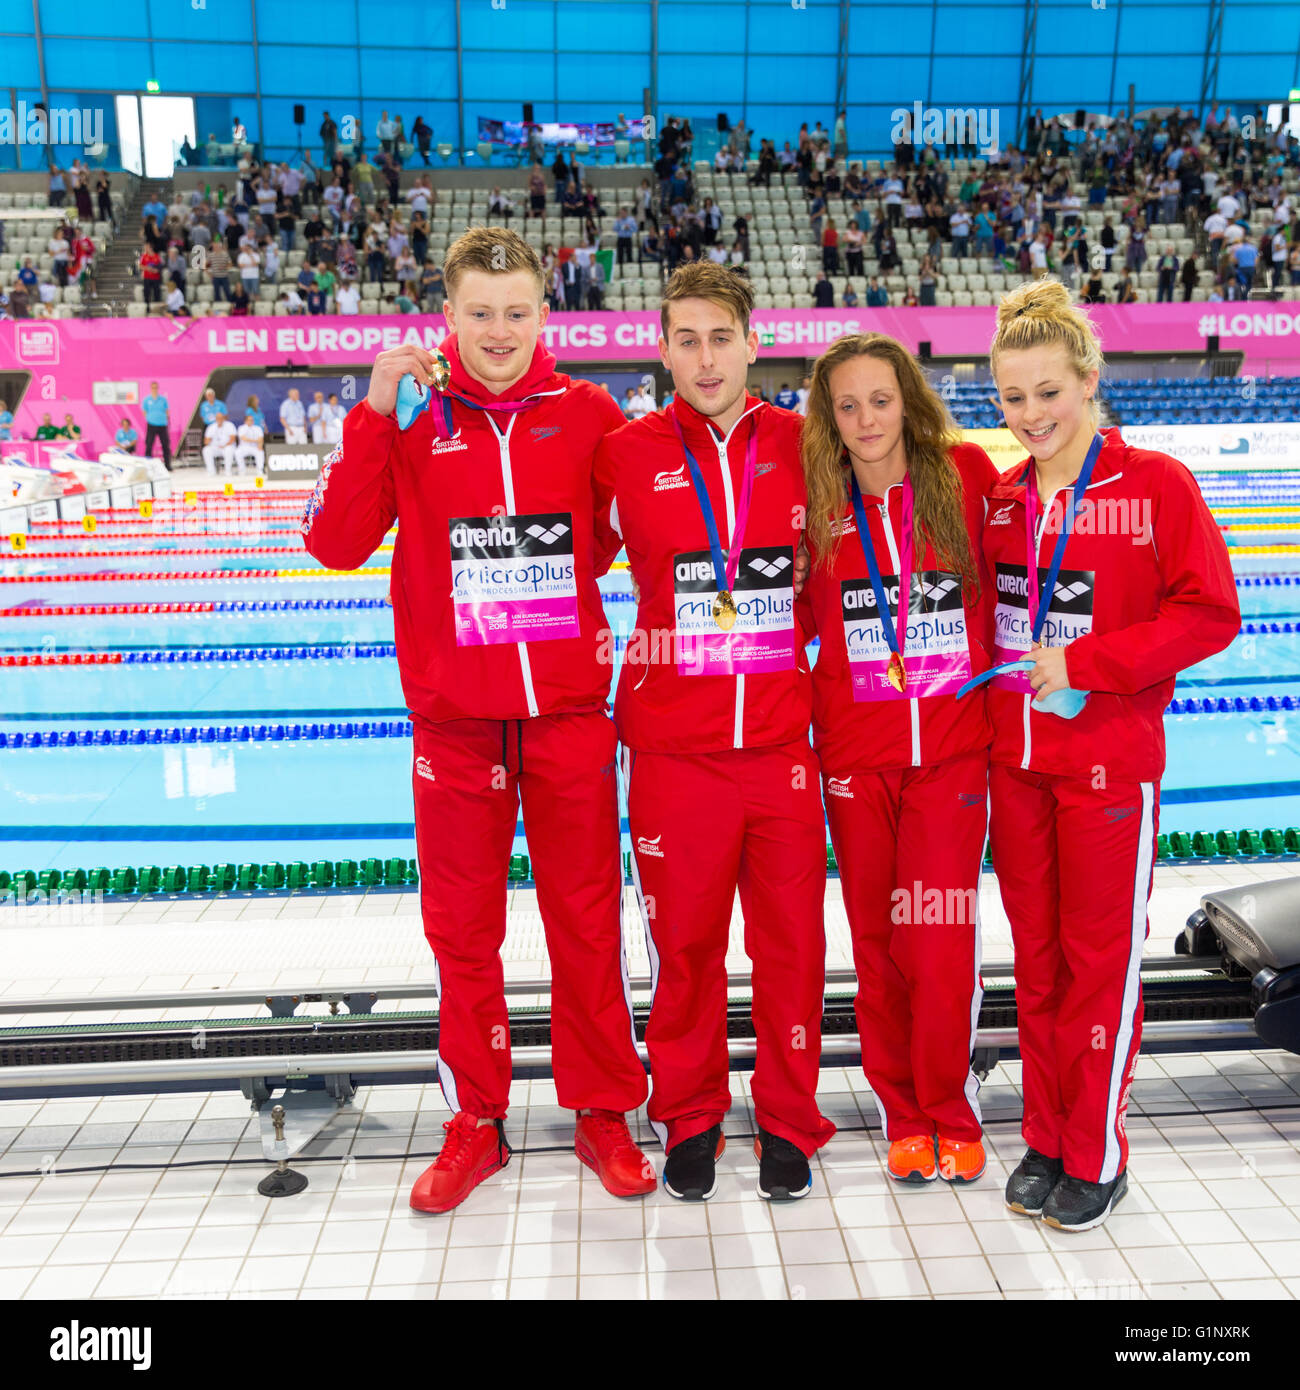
[(873, 570), (724, 572), (1033, 593)]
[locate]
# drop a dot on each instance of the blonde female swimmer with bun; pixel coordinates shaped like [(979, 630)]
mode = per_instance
[(1110, 577)]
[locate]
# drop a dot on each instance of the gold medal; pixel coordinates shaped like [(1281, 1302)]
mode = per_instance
[(440, 376), (897, 676), (724, 610)]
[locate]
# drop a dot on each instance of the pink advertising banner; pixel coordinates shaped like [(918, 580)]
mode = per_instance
[(66, 357)]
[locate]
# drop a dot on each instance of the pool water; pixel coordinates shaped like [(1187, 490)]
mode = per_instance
[(158, 757)]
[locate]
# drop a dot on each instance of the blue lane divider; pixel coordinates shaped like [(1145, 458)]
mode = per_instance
[(332, 651), (211, 733), (402, 728), (1237, 704), (1267, 581), (313, 605)]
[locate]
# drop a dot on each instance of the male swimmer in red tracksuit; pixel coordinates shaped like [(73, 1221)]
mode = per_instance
[(499, 622), (713, 708)]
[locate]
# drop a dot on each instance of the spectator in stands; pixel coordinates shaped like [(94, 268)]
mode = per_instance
[(572, 280), (329, 135), (174, 305), (124, 438), (375, 240), (58, 187), (1093, 292), (1293, 263), (347, 299), (104, 199), (422, 134), (150, 275), (403, 303), (625, 230), (849, 296), (887, 250), (831, 248), (1135, 255), (250, 269), (81, 195), (877, 295), (292, 301), (928, 280), (325, 279), (316, 299), (536, 190), (240, 304), (59, 250), (1280, 249), (1125, 290), (1244, 258), (27, 276), (432, 288), (1166, 274), (219, 272), (627, 401), (823, 292), (406, 269)]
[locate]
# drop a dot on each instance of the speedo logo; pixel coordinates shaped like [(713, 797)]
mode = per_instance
[(422, 769), (1118, 813), (665, 482), (971, 798), (839, 786), (544, 431), (1001, 517), (467, 536), (763, 468), (650, 847)]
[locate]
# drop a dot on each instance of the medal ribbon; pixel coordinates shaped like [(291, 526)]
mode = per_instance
[(1038, 608), (724, 574), (873, 567)]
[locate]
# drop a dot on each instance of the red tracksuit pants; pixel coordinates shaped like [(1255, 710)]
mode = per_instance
[(1074, 865), (701, 827), (908, 842), (470, 776)]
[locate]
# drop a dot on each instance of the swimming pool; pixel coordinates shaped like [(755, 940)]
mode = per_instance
[(194, 688)]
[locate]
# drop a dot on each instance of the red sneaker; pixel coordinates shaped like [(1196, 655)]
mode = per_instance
[(602, 1141), (470, 1153)]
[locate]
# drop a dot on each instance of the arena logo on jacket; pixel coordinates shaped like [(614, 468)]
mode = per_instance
[(936, 650), (762, 638), (513, 578), (1069, 616)]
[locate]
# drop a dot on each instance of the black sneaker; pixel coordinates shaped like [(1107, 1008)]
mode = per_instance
[(1032, 1181), (689, 1172), (1075, 1205), (783, 1170)]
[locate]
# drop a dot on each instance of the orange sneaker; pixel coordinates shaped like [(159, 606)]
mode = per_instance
[(470, 1153), (602, 1141), (912, 1159), (960, 1160)]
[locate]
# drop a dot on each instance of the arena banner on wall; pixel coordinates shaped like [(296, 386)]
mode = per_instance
[(65, 357), (296, 461)]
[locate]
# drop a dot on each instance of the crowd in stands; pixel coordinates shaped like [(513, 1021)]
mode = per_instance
[(1200, 209), (70, 248)]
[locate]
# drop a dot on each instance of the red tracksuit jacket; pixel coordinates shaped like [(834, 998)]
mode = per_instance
[(642, 471), (1145, 590), (871, 735), (498, 477)]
